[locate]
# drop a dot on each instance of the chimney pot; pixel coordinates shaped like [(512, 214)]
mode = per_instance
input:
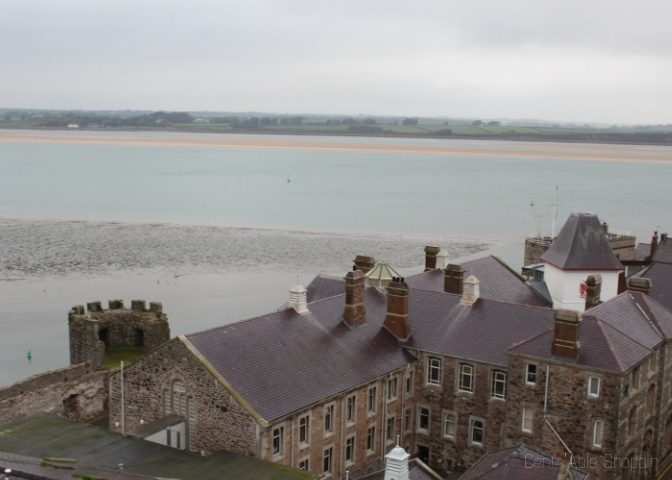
[(654, 242), (566, 339), (453, 279), (397, 321), (364, 263), (593, 290), (639, 284), (354, 312), (430, 257)]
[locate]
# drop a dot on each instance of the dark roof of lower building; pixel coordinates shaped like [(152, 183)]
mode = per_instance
[(284, 361), (38, 469), (642, 250), (44, 435), (324, 286), (497, 281), (663, 251), (582, 245), (660, 275), (519, 462), (614, 336)]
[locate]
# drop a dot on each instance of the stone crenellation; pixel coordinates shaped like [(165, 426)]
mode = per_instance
[(94, 329)]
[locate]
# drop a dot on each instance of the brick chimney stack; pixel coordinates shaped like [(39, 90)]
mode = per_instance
[(365, 263), (354, 313), (654, 242), (397, 321), (593, 290), (453, 279), (566, 341), (605, 227), (430, 257), (639, 284)]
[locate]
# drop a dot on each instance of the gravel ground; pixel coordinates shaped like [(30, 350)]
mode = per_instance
[(45, 248)]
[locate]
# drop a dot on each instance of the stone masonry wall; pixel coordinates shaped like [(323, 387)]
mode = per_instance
[(570, 411), (294, 451), (445, 398), (93, 330), (219, 421), (62, 392)]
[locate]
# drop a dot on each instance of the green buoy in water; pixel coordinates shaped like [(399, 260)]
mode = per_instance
[(30, 355)]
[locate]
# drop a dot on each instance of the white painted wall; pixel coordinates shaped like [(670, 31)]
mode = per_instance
[(161, 437), (565, 286)]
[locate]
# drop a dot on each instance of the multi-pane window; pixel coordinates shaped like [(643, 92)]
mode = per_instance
[(466, 377), (434, 371), (370, 438), (531, 374), (303, 465), (450, 425), (304, 429), (597, 433), (372, 399), (350, 409), (407, 419), (423, 419), (498, 384), (327, 460), (409, 382), (390, 429), (528, 419), (392, 388), (277, 441), (593, 387), (476, 431), (328, 418), (350, 449)]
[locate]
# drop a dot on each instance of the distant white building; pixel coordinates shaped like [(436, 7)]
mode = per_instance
[(580, 249), (73, 125)]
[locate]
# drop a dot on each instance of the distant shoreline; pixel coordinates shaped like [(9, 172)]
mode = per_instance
[(635, 139), (557, 150)]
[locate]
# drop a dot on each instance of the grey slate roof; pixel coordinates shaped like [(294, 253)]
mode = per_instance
[(44, 435), (283, 361), (614, 336), (482, 332), (642, 250), (497, 282), (582, 245), (663, 251), (325, 286), (660, 275), (513, 463)]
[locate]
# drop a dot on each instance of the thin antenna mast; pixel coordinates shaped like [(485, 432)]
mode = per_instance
[(555, 212)]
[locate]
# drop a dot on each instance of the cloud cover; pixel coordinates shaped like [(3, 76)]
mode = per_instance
[(582, 61)]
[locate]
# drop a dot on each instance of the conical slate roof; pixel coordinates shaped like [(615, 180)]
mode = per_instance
[(582, 245)]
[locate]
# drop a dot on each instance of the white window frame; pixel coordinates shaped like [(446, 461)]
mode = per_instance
[(371, 439), (434, 364), (350, 456), (389, 432), (460, 384), (494, 381), (527, 373), (329, 413), (598, 426), (392, 388), (351, 408), (419, 428), (409, 383), (590, 387), (528, 415), (276, 447), (328, 457), (472, 427), (371, 399), (303, 465), (304, 429), (446, 422)]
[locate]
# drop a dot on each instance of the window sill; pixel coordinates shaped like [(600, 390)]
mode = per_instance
[(476, 444), (422, 432), (448, 438), (433, 386), (329, 433), (526, 433), (462, 393), (501, 401), (531, 386)]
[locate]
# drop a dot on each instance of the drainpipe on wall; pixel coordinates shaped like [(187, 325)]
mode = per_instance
[(343, 420), (571, 455), (123, 419), (291, 441), (383, 412)]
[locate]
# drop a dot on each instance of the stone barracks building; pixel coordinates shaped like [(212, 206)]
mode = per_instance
[(455, 367)]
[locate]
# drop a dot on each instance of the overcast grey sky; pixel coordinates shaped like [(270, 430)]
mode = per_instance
[(586, 61)]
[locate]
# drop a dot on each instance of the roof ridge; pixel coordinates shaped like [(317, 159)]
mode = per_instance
[(609, 345), (534, 337), (515, 304), (648, 299), (508, 267), (650, 313), (621, 332)]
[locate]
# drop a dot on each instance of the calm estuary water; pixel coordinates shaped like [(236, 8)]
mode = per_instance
[(207, 200)]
